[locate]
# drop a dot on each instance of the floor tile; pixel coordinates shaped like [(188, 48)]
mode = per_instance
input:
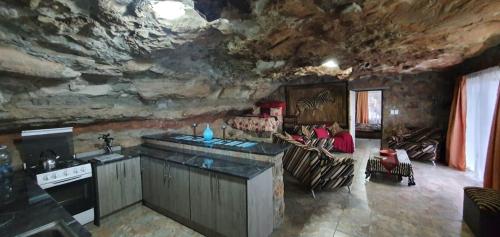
[(379, 207)]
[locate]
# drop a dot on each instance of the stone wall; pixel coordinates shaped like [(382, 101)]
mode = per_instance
[(422, 99), (487, 59), (128, 133)]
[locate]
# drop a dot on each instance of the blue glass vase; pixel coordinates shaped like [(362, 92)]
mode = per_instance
[(208, 134)]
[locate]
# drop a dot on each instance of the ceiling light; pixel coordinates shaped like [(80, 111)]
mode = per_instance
[(330, 64), (169, 10)]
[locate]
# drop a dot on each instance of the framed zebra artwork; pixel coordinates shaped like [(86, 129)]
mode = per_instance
[(318, 103)]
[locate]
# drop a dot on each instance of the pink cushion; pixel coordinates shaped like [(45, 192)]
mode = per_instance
[(343, 142), (298, 138), (266, 106), (321, 133)]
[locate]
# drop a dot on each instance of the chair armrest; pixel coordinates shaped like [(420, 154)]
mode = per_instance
[(329, 156)]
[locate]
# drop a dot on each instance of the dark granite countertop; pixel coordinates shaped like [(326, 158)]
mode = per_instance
[(28, 207), (239, 167), (260, 148)]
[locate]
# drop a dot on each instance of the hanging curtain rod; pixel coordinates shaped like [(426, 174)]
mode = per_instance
[(487, 70)]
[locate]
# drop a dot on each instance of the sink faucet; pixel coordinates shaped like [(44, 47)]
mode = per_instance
[(107, 142)]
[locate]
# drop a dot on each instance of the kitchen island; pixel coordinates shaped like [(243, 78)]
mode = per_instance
[(213, 194), (257, 151)]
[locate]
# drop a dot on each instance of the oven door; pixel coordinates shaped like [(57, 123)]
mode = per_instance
[(76, 197)]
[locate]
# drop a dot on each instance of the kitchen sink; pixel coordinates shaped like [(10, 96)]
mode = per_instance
[(53, 229), (108, 157)]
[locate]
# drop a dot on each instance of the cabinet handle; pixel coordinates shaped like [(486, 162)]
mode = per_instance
[(164, 172), (124, 170), (116, 167), (169, 175), (211, 186), (218, 190)]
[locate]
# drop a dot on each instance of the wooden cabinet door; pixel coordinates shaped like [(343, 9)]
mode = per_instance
[(158, 180), (231, 203), (178, 189), (131, 181), (109, 188), (202, 193), (147, 189), (152, 180), (162, 191)]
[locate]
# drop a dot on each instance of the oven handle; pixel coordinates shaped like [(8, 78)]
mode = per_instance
[(68, 179), (64, 181)]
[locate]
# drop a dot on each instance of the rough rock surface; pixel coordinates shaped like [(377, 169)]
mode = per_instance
[(89, 61)]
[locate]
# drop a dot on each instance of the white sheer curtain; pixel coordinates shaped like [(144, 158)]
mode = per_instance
[(482, 88), (374, 107)]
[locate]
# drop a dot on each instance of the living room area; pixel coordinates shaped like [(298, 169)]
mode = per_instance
[(422, 177)]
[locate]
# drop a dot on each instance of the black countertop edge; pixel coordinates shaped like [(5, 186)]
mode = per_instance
[(238, 167), (28, 207), (261, 148), (233, 166)]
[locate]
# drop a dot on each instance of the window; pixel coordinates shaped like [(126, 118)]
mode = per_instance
[(374, 107), (481, 94)]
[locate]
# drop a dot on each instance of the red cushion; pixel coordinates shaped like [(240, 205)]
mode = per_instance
[(343, 142), (266, 106), (321, 133), (298, 138)]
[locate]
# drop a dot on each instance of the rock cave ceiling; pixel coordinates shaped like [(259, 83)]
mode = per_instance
[(86, 61)]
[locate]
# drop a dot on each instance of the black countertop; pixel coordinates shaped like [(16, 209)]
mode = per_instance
[(28, 206), (260, 148), (239, 167)]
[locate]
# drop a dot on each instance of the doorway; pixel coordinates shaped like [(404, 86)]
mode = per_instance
[(369, 114)]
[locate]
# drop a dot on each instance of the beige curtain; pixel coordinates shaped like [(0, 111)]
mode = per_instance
[(455, 142), (492, 169), (362, 107)]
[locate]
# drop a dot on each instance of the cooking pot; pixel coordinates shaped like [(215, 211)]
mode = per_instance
[(49, 158)]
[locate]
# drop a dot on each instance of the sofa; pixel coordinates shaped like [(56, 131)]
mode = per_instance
[(420, 143), (266, 117), (314, 165), (340, 142)]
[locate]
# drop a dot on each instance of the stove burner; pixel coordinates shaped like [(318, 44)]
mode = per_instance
[(60, 164), (68, 163)]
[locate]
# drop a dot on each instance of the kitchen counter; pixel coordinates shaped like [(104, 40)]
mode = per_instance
[(248, 159), (30, 207), (243, 168), (249, 150), (260, 148)]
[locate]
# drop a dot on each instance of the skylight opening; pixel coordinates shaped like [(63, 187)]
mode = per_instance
[(330, 63), (169, 10)]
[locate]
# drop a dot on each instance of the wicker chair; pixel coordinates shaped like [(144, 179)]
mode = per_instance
[(316, 168), (420, 144)]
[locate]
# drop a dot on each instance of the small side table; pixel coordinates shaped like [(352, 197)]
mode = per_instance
[(403, 169)]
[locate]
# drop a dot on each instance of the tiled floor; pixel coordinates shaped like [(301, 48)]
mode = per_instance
[(379, 207)]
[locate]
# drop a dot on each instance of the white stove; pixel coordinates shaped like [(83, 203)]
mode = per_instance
[(62, 176), (70, 181)]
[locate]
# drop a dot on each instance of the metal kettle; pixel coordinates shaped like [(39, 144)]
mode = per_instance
[(49, 161)]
